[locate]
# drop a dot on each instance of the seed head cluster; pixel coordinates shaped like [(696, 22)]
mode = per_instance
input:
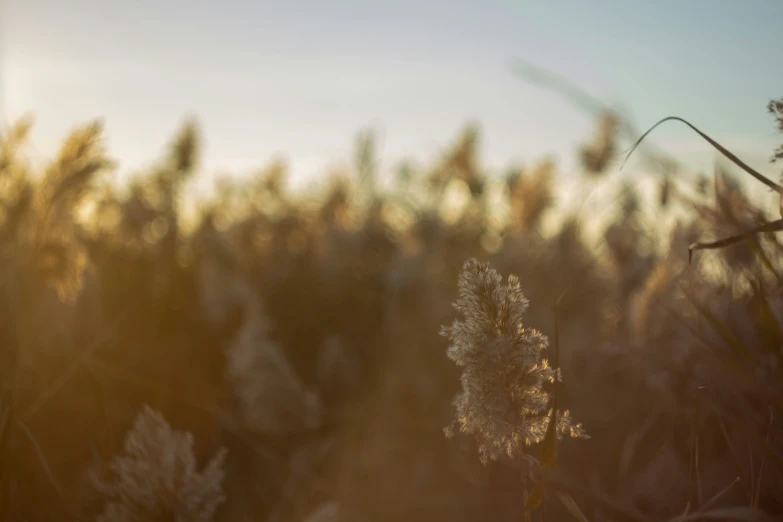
[(156, 478), (503, 402), (271, 394)]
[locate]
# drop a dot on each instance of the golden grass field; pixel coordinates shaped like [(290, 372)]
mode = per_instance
[(279, 357)]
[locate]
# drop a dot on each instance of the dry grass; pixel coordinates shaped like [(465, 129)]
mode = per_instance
[(303, 338)]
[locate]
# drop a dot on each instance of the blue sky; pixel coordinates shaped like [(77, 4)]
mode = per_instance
[(300, 78)]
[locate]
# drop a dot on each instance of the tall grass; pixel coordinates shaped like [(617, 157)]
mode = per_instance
[(291, 345)]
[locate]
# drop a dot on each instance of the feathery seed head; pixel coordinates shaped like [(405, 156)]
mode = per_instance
[(156, 479), (272, 396), (503, 400)]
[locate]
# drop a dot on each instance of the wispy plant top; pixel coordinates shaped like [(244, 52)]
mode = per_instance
[(503, 399)]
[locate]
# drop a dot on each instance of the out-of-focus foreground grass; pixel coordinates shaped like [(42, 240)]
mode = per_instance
[(302, 336)]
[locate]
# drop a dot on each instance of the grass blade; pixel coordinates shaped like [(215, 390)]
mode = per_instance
[(568, 502), (563, 484), (772, 226), (738, 514), (757, 493), (549, 444), (722, 492), (720, 328), (734, 159), (46, 468)]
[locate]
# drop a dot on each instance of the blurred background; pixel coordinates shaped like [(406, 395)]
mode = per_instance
[(251, 217)]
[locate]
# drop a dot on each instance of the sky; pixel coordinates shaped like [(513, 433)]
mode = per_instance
[(298, 79)]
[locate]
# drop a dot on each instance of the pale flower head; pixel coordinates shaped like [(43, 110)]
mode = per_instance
[(503, 402), (272, 396), (156, 478), (326, 512)]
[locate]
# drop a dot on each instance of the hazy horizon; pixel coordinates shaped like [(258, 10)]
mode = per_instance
[(299, 79)]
